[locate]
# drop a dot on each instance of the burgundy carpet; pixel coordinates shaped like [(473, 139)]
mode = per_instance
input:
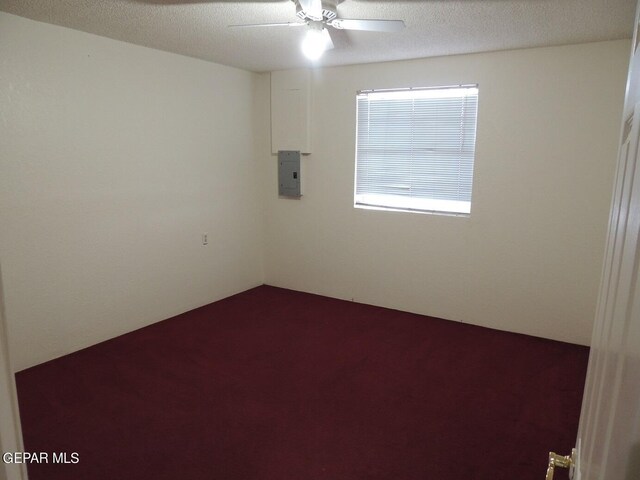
[(273, 384)]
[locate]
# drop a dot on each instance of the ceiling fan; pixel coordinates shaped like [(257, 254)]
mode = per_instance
[(317, 15)]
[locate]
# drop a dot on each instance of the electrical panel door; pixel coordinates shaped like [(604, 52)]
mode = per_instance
[(289, 173)]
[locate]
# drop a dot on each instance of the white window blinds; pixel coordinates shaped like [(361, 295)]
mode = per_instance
[(415, 148)]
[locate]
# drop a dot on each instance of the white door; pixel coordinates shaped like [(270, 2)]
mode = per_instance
[(608, 444)]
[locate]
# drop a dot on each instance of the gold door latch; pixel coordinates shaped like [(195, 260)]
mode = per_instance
[(556, 460)]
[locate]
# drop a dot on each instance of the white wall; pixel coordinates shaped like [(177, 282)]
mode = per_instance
[(114, 160), (529, 258)]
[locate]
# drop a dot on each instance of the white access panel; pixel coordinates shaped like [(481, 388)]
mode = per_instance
[(291, 111)]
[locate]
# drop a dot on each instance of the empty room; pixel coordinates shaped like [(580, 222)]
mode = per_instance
[(304, 239)]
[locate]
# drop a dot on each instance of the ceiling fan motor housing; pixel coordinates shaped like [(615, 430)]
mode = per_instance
[(328, 11)]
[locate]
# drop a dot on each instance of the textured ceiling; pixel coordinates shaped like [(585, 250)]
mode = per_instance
[(434, 27)]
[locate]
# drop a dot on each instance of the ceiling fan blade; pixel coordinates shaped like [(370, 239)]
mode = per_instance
[(340, 38), (196, 2), (252, 25), (312, 8), (368, 25), (327, 38)]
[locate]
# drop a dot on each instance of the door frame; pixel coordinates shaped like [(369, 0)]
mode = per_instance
[(10, 429)]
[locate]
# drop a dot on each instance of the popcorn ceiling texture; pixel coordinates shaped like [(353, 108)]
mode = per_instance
[(434, 28)]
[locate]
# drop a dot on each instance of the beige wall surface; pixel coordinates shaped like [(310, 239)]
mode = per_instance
[(529, 257), (114, 160)]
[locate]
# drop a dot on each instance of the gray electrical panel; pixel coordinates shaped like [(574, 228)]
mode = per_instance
[(289, 173)]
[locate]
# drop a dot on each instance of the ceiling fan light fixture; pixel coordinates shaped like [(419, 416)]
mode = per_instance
[(315, 43)]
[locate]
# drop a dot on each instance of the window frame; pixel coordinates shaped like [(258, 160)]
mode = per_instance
[(410, 203)]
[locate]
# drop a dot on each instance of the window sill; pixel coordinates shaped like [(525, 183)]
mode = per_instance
[(409, 210), (399, 203)]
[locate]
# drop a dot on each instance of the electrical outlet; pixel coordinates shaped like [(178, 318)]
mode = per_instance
[(205, 239)]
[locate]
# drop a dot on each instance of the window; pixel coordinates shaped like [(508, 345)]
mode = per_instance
[(415, 149)]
